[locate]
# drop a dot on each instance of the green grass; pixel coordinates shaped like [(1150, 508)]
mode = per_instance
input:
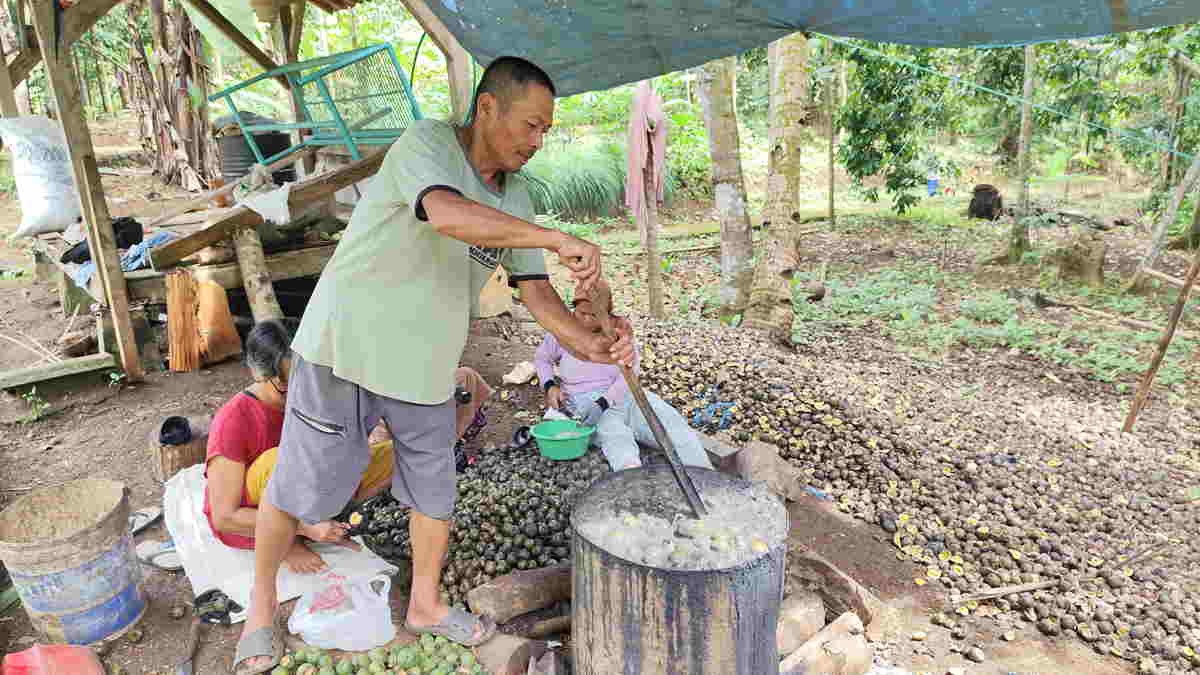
[(907, 300)]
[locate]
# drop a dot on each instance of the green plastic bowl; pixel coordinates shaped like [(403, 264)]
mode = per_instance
[(562, 439)]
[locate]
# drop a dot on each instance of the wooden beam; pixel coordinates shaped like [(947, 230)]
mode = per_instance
[(100, 235), (302, 194), (458, 61), (49, 371), (296, 34), (238, 37), (148, 286), (77, 21)]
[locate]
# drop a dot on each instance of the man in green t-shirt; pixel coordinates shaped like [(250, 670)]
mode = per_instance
[(385, 328)]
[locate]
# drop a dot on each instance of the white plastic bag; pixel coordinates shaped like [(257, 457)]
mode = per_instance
[(348, 614), (41, 167)]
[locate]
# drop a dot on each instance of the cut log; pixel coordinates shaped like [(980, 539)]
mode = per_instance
[(219, 338), (301, 194), (551, 626), (840, 592), (801, 616), (520, 592), (167, 460), (841, 648), (252, 261), (182, 335), (1166, 278), (509, 654)]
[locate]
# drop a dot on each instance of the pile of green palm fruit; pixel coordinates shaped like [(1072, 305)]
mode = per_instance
[(428, 656)]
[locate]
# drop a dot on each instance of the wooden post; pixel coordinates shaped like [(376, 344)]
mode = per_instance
[(255, 275), (87, 180), (182, 333), (1164, 342), (458, 61), (8, 97)]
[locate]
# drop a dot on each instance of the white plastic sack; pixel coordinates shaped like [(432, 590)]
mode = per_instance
[(41, 166), (348, 614)]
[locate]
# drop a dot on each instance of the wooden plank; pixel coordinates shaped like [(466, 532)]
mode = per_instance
[(302, 194), (8, 98), (49, 371), (183, 334), (147, 285), (76, 21), (101, 239), (458, 61), (237, 37)]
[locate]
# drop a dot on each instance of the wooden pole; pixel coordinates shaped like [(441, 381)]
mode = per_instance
[(830, 95), (87, 180), (255, 275), (1164, 342), (458, 61), (237, 37), (8, 97)]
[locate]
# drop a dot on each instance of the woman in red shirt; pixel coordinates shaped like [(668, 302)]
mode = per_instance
[(243, 445)]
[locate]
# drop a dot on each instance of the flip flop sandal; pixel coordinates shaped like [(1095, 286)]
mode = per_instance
[(160, 554), (458, 626), (143, 518), (265, 641)]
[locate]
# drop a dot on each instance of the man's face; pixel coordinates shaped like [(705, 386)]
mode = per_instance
[(515, 134)]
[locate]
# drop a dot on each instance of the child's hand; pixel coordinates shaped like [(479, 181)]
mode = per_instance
[(554, 397)]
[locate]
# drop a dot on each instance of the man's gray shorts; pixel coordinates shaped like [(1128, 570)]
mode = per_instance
[(324, 452)]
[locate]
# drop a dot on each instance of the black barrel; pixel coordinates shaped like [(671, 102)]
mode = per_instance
[(237, 157), (639, 620)]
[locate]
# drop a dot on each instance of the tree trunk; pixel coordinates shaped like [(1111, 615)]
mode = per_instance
[(832, 101), (716, 89), (100, 85), (654, 270), (1180, 82), (771, 298), (1018, 241), (1158, 237)]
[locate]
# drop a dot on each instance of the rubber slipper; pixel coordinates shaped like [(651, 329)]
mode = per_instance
[(160, 554), (143, 518), (265, 641), (458, 626)]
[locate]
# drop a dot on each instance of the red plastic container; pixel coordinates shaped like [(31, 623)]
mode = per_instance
[(53, 660)]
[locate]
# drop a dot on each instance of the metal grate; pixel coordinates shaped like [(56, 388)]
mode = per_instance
[(356, 98)]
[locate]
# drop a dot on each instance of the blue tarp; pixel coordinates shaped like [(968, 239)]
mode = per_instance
[(587, 45)]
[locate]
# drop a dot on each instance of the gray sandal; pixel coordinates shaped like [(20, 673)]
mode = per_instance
[(265, 641), (459, 626)]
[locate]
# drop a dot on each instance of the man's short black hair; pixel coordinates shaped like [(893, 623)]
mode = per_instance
[(506, 78)]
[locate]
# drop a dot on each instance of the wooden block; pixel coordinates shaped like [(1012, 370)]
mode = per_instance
[(801, 616), (182, 332), (509, 654), (167, 460), (841, 648), (219, 338), (836, 588), (520, 592)]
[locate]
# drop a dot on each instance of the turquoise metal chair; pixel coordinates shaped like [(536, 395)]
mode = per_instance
[(355, 98)]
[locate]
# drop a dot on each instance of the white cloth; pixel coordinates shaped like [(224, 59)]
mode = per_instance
[(209, 563), (272, 206)]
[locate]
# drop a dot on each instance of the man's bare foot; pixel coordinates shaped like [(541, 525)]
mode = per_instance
[(302, 560), (419, 619)]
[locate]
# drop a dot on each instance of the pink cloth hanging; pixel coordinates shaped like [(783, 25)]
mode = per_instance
[(647, 125)]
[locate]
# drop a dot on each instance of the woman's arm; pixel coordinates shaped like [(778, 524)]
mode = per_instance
[(226, 482)]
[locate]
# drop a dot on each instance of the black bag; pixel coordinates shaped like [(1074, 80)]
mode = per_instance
[(126, 231)]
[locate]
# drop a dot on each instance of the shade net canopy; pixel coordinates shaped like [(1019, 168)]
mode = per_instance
[(597, 44)]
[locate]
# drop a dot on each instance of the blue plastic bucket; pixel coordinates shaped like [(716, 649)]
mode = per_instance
[(71, 558)]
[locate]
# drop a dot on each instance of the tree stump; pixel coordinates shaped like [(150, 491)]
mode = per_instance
[(1082, 260), (167, 460)]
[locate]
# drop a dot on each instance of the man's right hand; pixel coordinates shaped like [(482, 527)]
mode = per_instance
[(554, 397), (582, 258)]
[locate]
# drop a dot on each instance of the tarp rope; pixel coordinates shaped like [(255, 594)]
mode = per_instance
[(1014, 99)]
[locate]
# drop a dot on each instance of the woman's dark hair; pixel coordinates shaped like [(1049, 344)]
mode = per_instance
[(267, 344)]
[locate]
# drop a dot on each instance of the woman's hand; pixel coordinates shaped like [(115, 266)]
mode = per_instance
[(554, 397)]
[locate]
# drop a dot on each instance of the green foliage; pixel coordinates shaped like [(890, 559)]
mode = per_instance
[(988, 307), (885, 117), (689, 162), (37, 405), (580, 181)]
